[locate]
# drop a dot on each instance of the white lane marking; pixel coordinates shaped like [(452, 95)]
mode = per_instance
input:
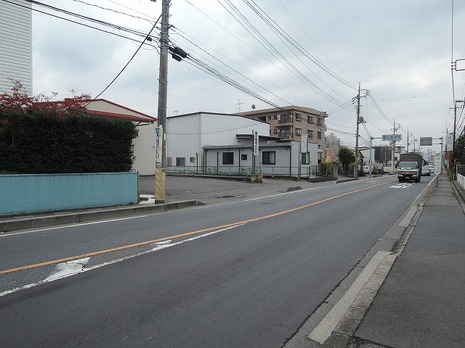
[(324, 329), (77, 224), (401, 186), (158, 246), (66, 269)]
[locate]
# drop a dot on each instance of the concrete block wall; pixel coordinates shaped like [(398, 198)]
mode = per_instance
[(38, 193)]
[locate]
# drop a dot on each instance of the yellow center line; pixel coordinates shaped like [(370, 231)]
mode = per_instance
[(182, 235)]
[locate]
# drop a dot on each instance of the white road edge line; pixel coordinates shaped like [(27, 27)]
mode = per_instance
[(326, 326), (74, 224)]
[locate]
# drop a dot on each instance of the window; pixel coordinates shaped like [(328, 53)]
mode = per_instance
[(192, 159), (310, 133), (298, 116), (298, 131), (244, 157), (310, 119), (269, 117), (180, 161), (269, 157), (285, 118), (275, 131), (319, 135), (305, 158), (228, 157), (275, 117)]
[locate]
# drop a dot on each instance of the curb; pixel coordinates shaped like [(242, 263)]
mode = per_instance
[(21, 223)]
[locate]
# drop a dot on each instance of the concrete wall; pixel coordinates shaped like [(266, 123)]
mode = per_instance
[(35, 193)]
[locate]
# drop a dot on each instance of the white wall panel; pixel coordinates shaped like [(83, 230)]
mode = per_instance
[(15, 45)]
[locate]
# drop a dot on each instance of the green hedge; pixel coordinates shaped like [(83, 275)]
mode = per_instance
[(40, 141)]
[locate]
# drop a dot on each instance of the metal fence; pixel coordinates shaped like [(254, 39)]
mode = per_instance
[(244, 171)]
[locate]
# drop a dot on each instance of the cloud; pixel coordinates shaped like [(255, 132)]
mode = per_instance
[(399, 50)]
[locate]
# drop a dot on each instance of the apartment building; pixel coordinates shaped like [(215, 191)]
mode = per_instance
[(294, 123)]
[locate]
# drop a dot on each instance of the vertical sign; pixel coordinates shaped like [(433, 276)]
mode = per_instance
[(304, 143), (255, 143), (158, 143)]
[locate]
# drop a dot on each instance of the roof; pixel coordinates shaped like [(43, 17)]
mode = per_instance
[(106, 108), (103, 107), (284, 108), (211, 113)]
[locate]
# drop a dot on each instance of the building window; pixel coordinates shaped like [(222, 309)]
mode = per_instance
[(298, 116), (285, 133), (275, 117), (319, 135), (192, 159), (285, 118), (269, 117), (298, 131), (310, 133), (228, 157), (269, 157), (305, 158), (243, 157), (180, 161), (310, 119), (275, 131)]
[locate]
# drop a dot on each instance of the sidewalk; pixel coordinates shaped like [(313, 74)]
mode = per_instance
[(422, 302)]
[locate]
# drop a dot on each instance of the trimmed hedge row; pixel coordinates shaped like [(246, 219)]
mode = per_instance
[(40, 141)]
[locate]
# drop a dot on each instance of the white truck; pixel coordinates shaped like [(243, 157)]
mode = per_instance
[(410, 167)]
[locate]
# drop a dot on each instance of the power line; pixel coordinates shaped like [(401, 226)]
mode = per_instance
[(129, 61)]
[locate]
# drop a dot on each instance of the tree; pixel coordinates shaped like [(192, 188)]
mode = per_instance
[(346, 157)]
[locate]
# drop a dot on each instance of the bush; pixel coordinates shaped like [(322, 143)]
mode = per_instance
[(325, 168), (47, 141)]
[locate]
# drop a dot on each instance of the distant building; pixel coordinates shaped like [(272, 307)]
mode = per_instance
[(292, 123), (15, 45)]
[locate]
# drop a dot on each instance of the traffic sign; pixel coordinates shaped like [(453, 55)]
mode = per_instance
[(426, 141), (392, 137)]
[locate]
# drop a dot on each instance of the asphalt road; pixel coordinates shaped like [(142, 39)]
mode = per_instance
[(244, 273)]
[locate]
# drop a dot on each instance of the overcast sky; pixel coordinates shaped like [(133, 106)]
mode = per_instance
[(401, 51)]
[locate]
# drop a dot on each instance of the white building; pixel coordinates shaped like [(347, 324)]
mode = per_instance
[(186, 135), (223, 144), (15, 45)]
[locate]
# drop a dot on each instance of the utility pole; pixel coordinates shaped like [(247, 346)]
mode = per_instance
[(160, 173), (367, 92), (393, 147), (455, 130)]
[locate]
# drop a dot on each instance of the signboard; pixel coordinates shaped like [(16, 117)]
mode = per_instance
[(392, 137), (427, 141), (255, 143), (304, 143), (158, 143)]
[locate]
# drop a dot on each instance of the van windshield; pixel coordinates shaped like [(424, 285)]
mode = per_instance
[(408, 165)]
